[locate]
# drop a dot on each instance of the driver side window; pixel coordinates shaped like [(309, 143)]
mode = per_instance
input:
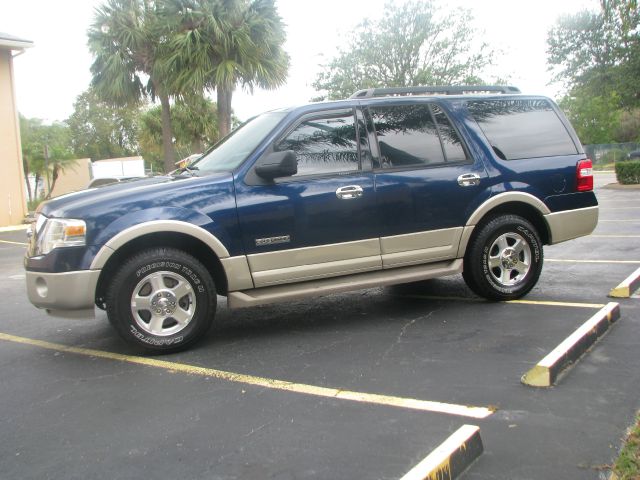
[(324, 144)]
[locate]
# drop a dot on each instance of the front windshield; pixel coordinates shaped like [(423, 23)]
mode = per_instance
[(236, 147)]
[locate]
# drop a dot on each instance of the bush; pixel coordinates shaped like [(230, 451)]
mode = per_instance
[(628, 172)]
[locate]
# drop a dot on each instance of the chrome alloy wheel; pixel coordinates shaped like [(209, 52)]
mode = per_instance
[(163, 303), (509, 259)]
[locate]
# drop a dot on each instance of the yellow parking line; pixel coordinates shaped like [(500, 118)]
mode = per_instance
[(525, 302), (372, 398), (13, 243), (615, 236), (566, 260), (558, 304)]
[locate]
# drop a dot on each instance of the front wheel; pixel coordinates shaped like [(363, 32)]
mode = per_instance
[(162, 300), (504, 260)]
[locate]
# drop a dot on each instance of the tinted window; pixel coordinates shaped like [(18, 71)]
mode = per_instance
[(407, 135), (324, 144), (451, 143), (522, 128), (236, 147)]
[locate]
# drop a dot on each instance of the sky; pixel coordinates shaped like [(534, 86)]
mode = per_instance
[(55, 71)]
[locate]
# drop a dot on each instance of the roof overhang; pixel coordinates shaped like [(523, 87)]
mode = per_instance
[(9, 42)]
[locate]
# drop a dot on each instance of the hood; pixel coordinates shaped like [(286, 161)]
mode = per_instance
[(179, 198), (145, 192), (57, 205)]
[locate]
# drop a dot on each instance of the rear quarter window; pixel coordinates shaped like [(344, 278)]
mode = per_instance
[(518, 129)]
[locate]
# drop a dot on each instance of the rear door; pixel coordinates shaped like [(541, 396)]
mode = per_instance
[(425, 182), (321, 222)]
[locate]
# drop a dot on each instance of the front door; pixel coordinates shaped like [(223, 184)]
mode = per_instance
[(322, 221)]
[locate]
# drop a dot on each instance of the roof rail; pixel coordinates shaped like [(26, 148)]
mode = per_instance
[(437, 90)]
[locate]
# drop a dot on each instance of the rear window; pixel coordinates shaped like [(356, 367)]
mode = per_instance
[(520, 129)]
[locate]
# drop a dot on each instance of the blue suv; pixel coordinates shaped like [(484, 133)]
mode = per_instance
[(388, 187)]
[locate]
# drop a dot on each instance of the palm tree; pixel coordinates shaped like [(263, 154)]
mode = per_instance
[(218, 44), (127, 39)]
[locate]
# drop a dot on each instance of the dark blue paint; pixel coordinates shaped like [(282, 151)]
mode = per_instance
[(308, 211), (394, 202)]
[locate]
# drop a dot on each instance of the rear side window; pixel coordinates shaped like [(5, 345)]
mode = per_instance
[(519, 129), (415, 135)]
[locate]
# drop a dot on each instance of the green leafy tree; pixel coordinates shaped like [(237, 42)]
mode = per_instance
[(597, 56), (99, 130), (412, 45), (128, 38), (46, 152), (220, 44), (194, 121), (596, 118), (628, 129)]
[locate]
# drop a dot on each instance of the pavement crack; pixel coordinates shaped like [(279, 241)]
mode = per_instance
[(401, 335), (256, 430)]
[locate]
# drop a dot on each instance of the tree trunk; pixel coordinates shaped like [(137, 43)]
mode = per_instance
[(224, 111), (169, 153), (25, 167), (36, 185), (54, 178)]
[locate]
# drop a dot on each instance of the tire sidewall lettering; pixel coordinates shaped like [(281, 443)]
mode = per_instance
[(189, 275), (142, 266), (154, 340)]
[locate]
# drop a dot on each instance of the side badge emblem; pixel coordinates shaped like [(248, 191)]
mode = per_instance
[(261, 242)]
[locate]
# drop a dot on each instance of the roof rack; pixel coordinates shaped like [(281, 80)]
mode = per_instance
[(438, 90)]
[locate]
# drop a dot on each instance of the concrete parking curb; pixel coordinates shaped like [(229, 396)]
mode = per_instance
[(546, 372), (627, 287), (451, 458)]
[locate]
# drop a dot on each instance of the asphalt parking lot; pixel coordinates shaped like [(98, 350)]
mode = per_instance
[(350, 386)]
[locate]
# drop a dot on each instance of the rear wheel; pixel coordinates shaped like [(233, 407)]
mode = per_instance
[(504, 260), (162, 300)]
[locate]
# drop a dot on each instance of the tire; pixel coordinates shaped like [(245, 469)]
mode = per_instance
[(504, 259), (162, 300)]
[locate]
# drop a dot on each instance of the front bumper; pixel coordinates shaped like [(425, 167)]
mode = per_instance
[(68, 294)]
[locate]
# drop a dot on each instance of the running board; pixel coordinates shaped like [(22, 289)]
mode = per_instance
[(327, 286)]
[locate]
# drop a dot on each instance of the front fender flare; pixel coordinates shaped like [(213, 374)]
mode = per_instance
[(157, 226)]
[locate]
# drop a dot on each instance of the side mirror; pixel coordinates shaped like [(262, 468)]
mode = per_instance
[(277, 164)]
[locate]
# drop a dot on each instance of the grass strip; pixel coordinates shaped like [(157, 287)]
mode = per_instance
[(627, 466)]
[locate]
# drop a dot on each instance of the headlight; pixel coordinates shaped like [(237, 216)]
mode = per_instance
[(58, 232)]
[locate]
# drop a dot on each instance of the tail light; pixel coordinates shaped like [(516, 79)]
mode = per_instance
[(584, 176)]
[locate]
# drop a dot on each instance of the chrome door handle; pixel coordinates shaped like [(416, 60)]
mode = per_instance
[(468, 180), (349, 192)]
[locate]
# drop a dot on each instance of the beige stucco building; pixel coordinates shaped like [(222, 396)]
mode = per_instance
[(13, 206)]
